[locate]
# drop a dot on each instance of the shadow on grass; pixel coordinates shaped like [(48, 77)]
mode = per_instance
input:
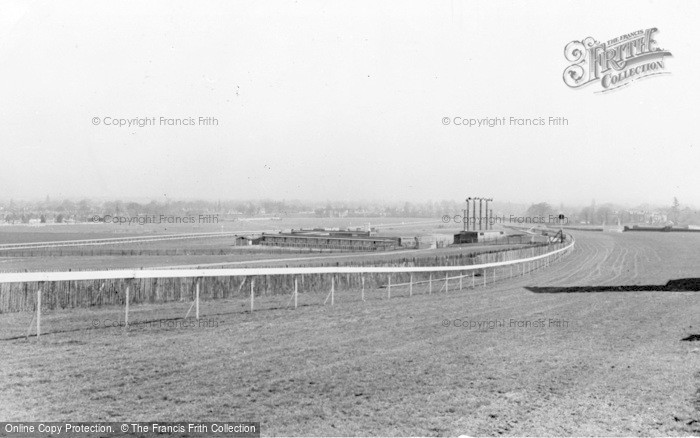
[(680, 285)]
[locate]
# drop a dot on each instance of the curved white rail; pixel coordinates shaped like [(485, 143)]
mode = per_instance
[(23, 277)]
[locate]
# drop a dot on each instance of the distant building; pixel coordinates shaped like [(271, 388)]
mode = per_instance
[(476, 236), (328, 241), (409, 242), (336, 232), (244, 241)]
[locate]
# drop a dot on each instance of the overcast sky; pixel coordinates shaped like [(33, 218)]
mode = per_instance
[(341, 100)]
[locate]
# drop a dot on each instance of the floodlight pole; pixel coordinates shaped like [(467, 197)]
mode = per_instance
[(481, 214), (466, 216), (487, 213)]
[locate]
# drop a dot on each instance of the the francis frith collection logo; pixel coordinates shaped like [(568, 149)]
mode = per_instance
[(615, 63)]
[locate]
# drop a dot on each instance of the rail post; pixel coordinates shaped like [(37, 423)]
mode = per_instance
[(252, 295), (430, 284), (296, 293), (126, 306), (447, 285), (196, 297), (410, 285), (38, 310), (388, 289), (363, 288), (332, 290)]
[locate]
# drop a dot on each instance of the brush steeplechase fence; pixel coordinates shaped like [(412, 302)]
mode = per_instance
[(165, 285)]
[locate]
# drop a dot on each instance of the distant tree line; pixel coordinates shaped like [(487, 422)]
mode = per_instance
[(612, 214), (84, 210)]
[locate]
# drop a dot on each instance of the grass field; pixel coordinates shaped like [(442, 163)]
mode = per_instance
[(55, 232), (199, 250), (618, 366)]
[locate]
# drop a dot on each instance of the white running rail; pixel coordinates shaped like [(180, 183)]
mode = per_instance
[(25, 277), (111, 240)]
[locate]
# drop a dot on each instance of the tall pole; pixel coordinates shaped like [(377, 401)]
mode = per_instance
[(481, 214), (474, 213), (466, 216), (487, 214)]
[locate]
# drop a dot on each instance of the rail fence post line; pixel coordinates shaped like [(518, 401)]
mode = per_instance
[(473, 279), (430, 284), (447, 285), (494, 275), (460, 280), (388, 289), (296, 293), (410, 285), (333, 290)]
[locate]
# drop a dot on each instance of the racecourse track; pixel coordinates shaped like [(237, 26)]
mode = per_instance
[(614, 356)]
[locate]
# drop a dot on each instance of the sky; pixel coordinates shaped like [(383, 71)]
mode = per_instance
[(340, 101)]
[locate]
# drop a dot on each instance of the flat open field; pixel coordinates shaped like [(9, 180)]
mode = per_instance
[(54, 232), (250, 256), (605, 362), (195, 251)]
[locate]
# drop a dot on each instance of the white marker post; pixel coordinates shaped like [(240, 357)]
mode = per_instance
[(296, 293), (363, 288), (410, 285), (196, 297), (38, 310), (126, 307), (252, 295), (388, 289), (332, 290)]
